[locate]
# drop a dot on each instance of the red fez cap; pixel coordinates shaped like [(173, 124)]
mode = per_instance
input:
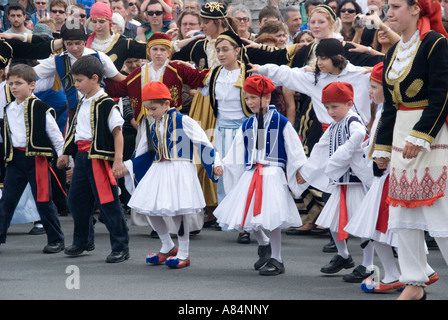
[(377, 73), (337, 92), (158, 38), (259, 85), (155, 90)]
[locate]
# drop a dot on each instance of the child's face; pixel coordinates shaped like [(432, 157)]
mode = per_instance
[(307, 39), (20, 89), (338, 110), (85, 85), (253, 101), (227, 54), (156, 109), (325, 65), (159, 53), (376, 92), (75, 47)]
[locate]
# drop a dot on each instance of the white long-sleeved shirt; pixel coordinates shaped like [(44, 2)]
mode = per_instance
[(83, 130), (299, 80), (16, 121)]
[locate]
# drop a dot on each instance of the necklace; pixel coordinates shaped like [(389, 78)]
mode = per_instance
[(102, 45)]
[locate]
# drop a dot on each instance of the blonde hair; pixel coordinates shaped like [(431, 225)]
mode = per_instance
[(328, 16)]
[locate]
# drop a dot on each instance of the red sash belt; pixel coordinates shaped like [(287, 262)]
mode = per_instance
[(404, 108), (343, 214), (325, 126), (102, 173), (383, 214), (256, 186), (42, 180)]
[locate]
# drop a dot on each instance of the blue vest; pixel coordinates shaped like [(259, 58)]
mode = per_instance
[(173, 145), (275, 145), (63, 67)]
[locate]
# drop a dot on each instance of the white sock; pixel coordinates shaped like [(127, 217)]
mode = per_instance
[(276, 244), (387, 259), (341, 246), (367, 253), (261, 238), (162, 231), (184, 240)]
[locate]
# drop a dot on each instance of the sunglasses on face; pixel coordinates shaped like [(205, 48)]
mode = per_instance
[(132, 4), (151, 13), (82, 16), (58, 11), (348, 10), (41, 3)]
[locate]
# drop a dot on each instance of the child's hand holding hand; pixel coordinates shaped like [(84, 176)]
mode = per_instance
[(218, 171), (63, 161), (119, 170), (299, 178), (382, 163)]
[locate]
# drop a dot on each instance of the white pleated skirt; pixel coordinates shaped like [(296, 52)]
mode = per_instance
[(278, 208), (169, 188), (363, 223), (329, 216)]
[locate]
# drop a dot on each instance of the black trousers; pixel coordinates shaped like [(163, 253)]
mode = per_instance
[(19, 172), (81, 203)]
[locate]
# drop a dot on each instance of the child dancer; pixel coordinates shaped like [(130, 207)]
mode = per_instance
[(371, 220), (339, 155), (170, 187), (262, 163), (30, 134), (94, 138)]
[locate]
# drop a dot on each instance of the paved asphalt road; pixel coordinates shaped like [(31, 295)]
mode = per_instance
[(220, 270)]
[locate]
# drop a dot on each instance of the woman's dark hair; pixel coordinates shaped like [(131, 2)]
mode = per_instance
[(338, 61)]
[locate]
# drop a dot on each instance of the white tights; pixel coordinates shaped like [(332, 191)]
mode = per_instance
[(167, 243), (367, 252), (275, 238)]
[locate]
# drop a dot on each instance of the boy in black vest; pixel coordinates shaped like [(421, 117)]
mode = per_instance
[(94, 139), (30, 134)]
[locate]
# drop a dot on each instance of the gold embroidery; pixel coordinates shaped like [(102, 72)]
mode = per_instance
[(422, 135), (214, 5), (174, 94), (383, 147), (414, 88)]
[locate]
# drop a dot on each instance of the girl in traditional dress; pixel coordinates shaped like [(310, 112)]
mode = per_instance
[(225, 88), (415, 81)]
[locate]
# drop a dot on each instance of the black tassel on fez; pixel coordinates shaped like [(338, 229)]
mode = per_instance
[(260, 131)]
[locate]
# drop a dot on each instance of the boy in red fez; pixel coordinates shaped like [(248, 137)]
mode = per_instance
[(340, 156), (258, 172), (168, 187), (372, 223)]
